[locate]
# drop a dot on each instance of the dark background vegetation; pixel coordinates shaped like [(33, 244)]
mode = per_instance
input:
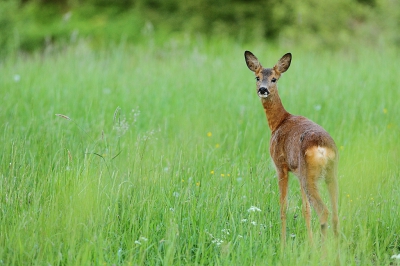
[(29, 25)]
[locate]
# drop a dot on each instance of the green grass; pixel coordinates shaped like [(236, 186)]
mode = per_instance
[(164, 148)]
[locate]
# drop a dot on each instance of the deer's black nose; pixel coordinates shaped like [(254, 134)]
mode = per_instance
[(263, 91)]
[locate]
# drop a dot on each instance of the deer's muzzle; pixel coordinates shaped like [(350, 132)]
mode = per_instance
[(263, 92)]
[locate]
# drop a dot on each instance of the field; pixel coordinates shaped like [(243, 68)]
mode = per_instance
[(157, 154)]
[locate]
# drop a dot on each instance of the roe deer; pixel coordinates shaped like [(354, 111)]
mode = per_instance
[(297, 145)]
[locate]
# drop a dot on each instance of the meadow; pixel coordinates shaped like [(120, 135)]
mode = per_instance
[(157, 154)]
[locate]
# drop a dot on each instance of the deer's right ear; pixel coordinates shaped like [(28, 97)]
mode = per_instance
[(252, 62)]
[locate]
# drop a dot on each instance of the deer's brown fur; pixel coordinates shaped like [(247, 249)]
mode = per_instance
[(297, 145)]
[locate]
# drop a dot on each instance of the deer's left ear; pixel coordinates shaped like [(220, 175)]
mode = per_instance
[(283, 63), (252, 62)]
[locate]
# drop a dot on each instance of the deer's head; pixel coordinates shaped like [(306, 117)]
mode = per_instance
[(267, 78)]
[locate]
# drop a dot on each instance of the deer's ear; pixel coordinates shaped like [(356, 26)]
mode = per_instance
[(283, 63), (252, 62)]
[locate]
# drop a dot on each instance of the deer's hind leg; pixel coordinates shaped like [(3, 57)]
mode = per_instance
[(283, 178), (332, 184), (306, 212), (314, 170)]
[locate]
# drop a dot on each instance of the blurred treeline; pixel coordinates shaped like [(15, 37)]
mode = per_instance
[(28, 25)]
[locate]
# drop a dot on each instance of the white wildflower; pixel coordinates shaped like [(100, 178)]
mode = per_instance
[(217, 241), (254, 223), (254, 209), (214, 240), (396, 257), (225, 231)]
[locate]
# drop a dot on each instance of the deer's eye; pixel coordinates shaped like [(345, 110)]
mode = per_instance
[(257, 78), (273, 80)]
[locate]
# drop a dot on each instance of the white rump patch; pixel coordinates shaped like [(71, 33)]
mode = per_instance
[(321, 151), (320, 154)]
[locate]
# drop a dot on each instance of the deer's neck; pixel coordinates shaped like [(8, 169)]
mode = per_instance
[(274, 110)]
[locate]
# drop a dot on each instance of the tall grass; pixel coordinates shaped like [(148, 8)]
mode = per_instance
[(159, 152)]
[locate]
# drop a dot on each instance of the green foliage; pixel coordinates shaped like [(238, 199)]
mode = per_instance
[(329, 24), (7, 22), (325, 23), (33, 26), (159, 150)]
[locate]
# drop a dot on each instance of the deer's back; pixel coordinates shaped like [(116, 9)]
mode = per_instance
[(291, 140)]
